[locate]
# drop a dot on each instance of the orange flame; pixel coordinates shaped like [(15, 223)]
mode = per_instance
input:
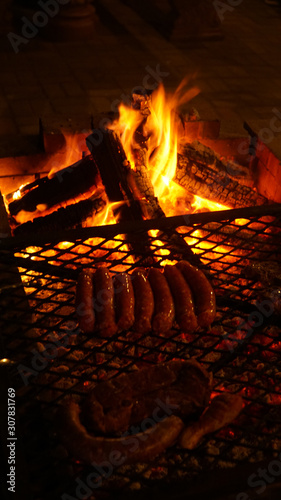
[(201, 203), (70, 153), (163, 126), (160, 126), (106, 216), (17, 194)]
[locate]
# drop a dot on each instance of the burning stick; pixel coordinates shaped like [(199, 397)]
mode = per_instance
[(68, 183), (139, 177), (198, 152), (69, 217), (140, 183), (198, 177), (111, 162)]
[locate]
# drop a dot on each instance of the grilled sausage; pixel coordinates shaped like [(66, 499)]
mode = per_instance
[(144, 301), (184, 306), (124, 301), (204, 296), (222, 410), (164, 309), (84, 303), (141, 447), (104, 303)]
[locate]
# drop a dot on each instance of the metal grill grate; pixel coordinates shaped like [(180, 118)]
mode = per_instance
[(242, 351)]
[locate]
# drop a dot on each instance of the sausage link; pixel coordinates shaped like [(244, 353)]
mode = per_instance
[(144, 302), (104, 303), (204, 296), (124, 301), (222, 410), (164, 309), (141, 447), (184, 306), (84, 302)]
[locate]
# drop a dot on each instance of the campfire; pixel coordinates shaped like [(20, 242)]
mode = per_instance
[(149, 190), (144, 166)]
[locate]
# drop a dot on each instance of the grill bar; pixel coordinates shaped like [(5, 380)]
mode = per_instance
[(145, 225)]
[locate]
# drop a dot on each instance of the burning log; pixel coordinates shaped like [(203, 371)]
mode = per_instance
[(69, 217), (140, 183), (225, 168), (199, 178), (66, 184), (111, 162), (139, 178)]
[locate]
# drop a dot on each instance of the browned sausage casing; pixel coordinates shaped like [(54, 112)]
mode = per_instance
[(222, 410), (104, 303), (184, 306), (141, 447), (124, 301), (144, 301), (164, 309), (204, 296), (84, 303)]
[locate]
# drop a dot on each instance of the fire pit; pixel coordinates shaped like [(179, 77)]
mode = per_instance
[(49, 358)]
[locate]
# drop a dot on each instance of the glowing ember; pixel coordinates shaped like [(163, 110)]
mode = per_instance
[(90, 246), (202, 203), (17, 194), (158, 247)]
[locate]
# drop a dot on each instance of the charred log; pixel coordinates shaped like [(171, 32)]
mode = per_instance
[(113, 166), (141, 185), (225, 168), (69, 217), (111, 162), (200, 179), (139, 179), (66, 184), (143, 189)]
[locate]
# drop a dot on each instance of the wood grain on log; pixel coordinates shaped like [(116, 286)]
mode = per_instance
[(200, 179), (225, 167)]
